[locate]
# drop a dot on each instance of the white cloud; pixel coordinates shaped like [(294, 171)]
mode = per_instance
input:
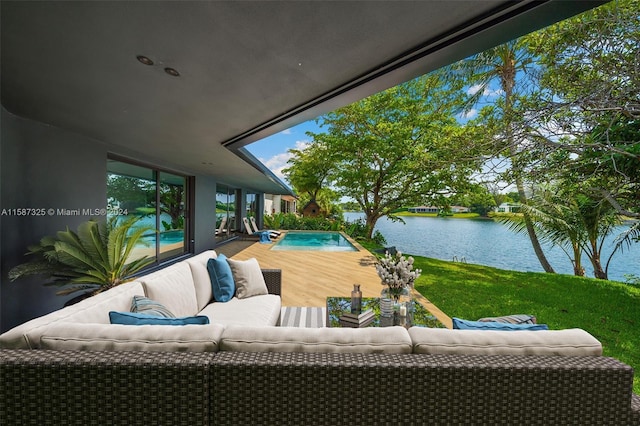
[(278, 162), (474, 89), (489, 92), (492, 92), (468, 115), (286, 132)]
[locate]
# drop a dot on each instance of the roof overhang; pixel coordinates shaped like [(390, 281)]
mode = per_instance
[(247, 69)]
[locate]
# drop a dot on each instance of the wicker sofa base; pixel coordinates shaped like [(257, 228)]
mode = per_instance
[(142, 388)]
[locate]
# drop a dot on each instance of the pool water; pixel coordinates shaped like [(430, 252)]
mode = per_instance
[(166, 237), (317, 241)]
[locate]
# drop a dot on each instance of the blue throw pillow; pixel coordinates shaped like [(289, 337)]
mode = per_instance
[(221, 279), (461, 324), (134, 318)]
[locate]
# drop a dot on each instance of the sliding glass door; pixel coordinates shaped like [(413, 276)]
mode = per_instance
[(158, 199)]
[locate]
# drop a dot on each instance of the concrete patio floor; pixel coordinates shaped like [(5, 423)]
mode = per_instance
[(309, 277)]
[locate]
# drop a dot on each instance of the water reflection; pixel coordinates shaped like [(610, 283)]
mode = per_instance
[(489, 243)]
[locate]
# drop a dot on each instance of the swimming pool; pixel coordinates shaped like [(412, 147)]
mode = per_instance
[(317, 241), (166, 237)]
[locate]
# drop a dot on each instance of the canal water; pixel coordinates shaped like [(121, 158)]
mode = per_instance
[(490, 243)]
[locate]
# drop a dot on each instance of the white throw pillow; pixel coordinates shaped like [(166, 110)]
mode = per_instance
[(248, 278)]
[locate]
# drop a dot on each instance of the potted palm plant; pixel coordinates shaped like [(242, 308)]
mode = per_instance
[(95, 258)]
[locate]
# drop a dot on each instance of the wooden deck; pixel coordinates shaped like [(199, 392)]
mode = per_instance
[(309, 277)]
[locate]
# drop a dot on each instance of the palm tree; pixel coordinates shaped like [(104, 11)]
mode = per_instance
[(599, 220), (502, 63), (575, 222), (96, 258), (556, 220)]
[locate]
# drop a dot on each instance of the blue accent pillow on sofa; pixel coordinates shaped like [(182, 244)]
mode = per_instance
[(222, 283), (134, 318), (461, 324)]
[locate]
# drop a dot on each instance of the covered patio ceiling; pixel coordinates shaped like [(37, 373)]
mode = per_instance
[(246, 69)]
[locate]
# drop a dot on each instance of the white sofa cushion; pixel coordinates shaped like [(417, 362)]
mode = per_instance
[(293, 339), (94, 309), (107, 337), (173, 287), (201, 278), (570, 342), (256, 311), (248, 278)]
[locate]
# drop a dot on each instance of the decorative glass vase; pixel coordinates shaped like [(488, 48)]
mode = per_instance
[(392, 298), (356, 299), (386, 303)]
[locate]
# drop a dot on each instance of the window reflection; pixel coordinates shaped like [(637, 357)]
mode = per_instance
[(157, 199), (225, 212)]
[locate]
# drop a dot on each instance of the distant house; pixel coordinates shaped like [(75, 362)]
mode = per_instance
[(459, 209), (312, 209), (508, 208), (275, 203), (423, 209), (432, 209)]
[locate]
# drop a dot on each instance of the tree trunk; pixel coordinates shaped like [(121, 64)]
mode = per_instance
[(371, 223), (578, 269), (537, 248), (598, 271), (508, 81)]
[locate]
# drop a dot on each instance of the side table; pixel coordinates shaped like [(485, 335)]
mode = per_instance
[(417, 315)]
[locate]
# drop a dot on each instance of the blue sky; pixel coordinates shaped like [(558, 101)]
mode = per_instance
[(273, 151)]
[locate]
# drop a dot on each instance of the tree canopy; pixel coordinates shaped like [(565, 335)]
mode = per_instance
[(399, 147), (558, 108)]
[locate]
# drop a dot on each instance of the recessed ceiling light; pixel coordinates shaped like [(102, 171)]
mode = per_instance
[(172, 72), (143, 59)]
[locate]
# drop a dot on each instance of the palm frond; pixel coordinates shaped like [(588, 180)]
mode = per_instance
[(89, 235), (70, 290), (75, 257), (31, 268), (628, 237), (136, 265), (132, 240), (94, 257)]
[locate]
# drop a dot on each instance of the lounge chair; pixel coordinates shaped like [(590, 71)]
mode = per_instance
[(221, 230), (272, 233), (262, 236)]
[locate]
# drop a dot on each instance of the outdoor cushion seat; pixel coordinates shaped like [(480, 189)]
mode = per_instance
[(569, 342), (394, 340), (263, 310), (108, 337), (94, 309)]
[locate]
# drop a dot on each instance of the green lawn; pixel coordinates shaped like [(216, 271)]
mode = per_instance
[(606, 309)]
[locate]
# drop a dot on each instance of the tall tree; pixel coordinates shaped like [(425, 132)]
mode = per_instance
[(478, 199), (399, 147), (502, 64), (556, 219), (172, 203), (569, 218), (588, 102), (310, 169)]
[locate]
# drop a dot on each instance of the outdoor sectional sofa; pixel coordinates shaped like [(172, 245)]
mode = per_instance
[(74, 367)]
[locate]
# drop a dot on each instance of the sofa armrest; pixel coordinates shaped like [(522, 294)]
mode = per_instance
[(273, 279), (635, 409)]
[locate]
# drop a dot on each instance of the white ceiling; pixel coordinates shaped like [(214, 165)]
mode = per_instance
[(247, 69)]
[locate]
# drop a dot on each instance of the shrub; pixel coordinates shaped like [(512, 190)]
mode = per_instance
[(357, 230)]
